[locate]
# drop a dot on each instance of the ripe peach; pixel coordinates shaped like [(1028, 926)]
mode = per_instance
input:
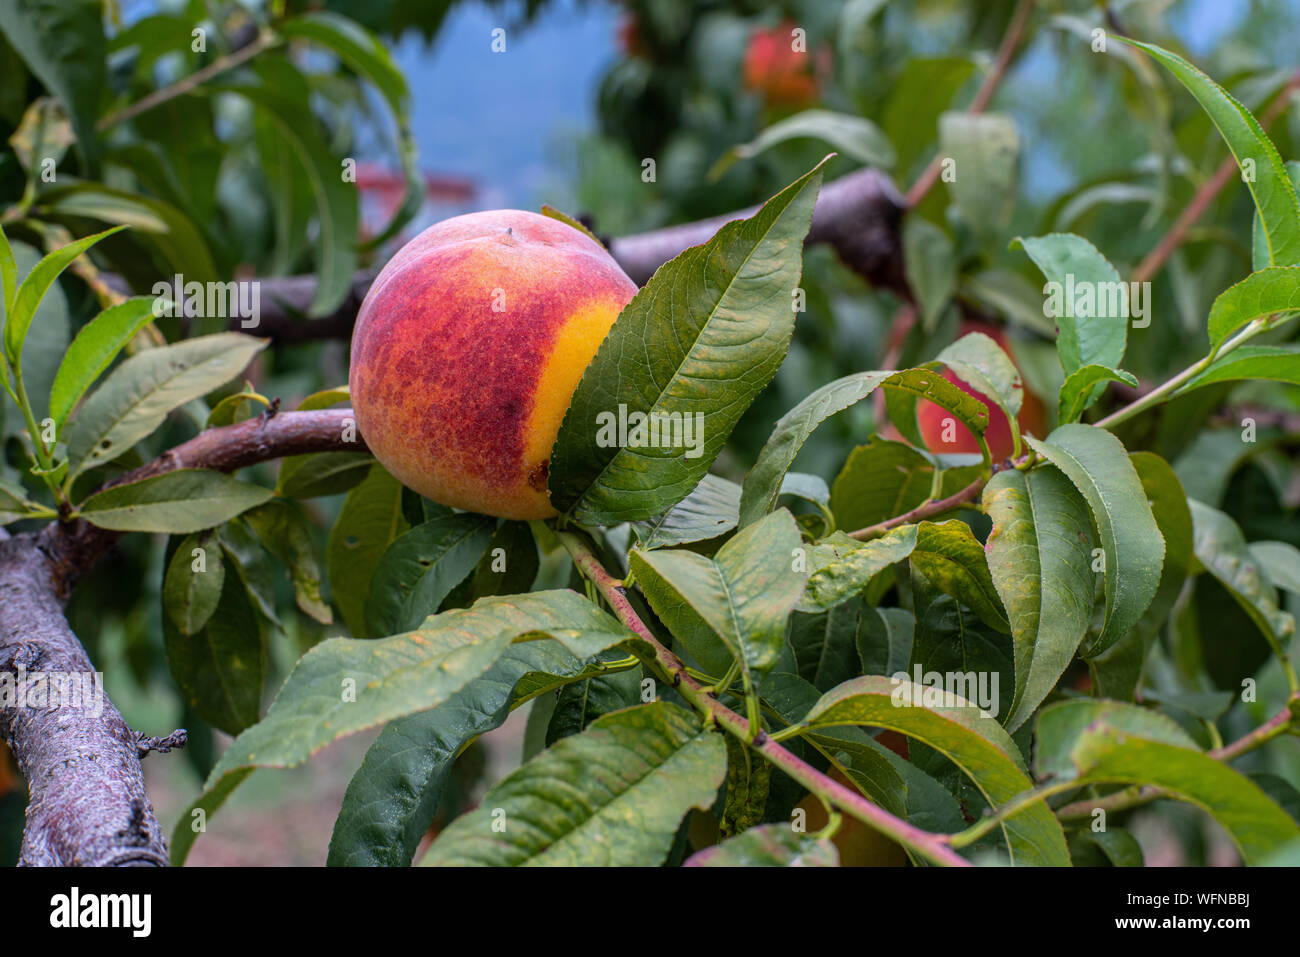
[(467, 350), (782, 74), (930, 418)]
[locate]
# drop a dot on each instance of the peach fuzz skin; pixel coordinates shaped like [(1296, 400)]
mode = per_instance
[(461, 402)]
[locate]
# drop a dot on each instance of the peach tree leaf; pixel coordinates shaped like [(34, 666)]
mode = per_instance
[(139, 393), (1132, 548), (1039, 554), (969, 737), (695, 345), (613, 795), (768, 845), (184, 500)]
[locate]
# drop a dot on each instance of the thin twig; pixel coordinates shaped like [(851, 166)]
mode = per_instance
[(933, 847), (983, 96), (188, 84), (1206, 194)]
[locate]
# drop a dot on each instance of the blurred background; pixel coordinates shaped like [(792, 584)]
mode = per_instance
[(515, 104)]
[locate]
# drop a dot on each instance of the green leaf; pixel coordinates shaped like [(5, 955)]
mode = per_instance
[(420, 568), (336, 200), (1278, 363), (322, 473), (47, 340), (854, 136), (344, 685), (611, 796), (1060, 725), (1118, 670), (180, 501), (930, 266), (92, 351), (191, 589), (18, 319), (371, 518), (922, 90), (885, 639), (1270, 186), (245, 554), (1079, 390), (1105, 753), (884, 479), (282, 528), (393, 795), (877, 772), (712, 509), (763, 483), (949, 639), (1259, 251), (1131, 546), (825, 645), (981, 363), (62, 42), (1260, 294), (1113, 847), (1221, 549), (985, 148), (219, 668), (8, 272), (971, 739), (511, 563), (178, 239), (579, 703), (769, 845), (13, 503), (137, 396), (699, 341), (1039, 554), (1087, 300), (367, 56), (950, 556), (839, 567), (1280, 563), (187, 828), (733, 605)]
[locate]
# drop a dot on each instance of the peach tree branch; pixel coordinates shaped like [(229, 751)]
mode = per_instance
[(87, 800)]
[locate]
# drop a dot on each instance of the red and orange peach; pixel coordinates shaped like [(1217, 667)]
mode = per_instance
[(467, 350)]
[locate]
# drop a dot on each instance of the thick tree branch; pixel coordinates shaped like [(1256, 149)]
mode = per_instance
[(858, 215), (88, 804)]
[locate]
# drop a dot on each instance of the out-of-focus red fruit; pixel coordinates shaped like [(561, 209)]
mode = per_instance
[(773, 67), (629, 36), (951, 437)]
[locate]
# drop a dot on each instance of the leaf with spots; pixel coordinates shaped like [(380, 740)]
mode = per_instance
[(1039, 554), (613, 795), (394, 794), (733, 606), (763, 483), (769, 845), (975, 742), (1132, 547), (345, 685)]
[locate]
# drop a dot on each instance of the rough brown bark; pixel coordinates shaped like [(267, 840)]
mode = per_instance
[(858, 215), (87, 801)]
